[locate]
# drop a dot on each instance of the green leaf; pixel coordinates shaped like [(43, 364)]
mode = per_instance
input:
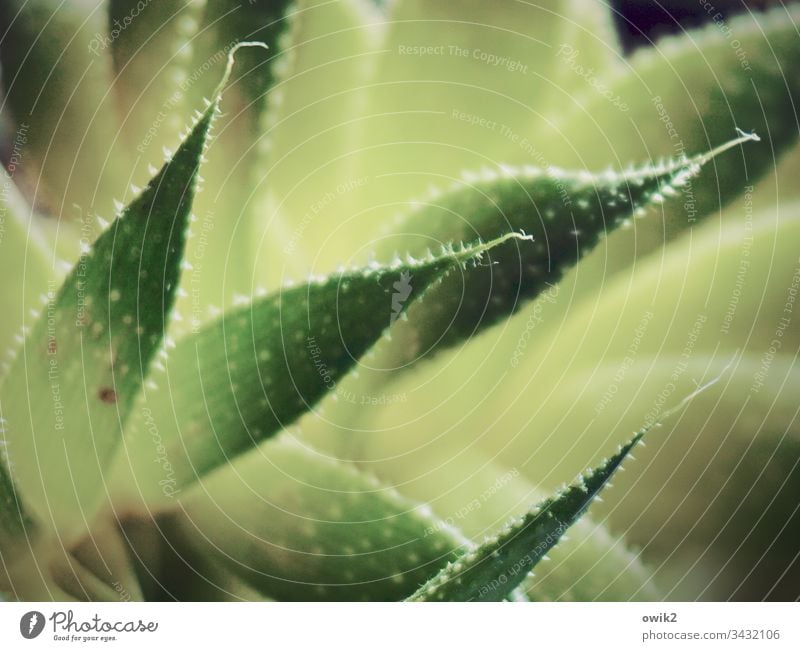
[(56, 89), (499, 565), (716, 298), (74, 382), (299, 526), (13, 520), (242, 378), (467, 489), (567, 214)]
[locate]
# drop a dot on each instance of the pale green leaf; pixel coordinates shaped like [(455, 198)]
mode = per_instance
[(299, 526), (457, 85), (74, 381), (687, 93), (309, 139)]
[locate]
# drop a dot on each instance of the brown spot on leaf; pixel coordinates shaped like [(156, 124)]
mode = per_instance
[(108, 396)]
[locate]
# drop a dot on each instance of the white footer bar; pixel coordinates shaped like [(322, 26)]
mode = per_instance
[(404, 627)]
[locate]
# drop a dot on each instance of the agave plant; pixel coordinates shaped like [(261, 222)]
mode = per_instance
[(401, 312)]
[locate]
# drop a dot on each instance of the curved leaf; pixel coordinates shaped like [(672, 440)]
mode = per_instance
[(308, 138)]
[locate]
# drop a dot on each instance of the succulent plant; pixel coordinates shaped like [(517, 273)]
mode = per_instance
[(418, 286)]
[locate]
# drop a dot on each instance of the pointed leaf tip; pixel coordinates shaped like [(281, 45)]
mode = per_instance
[(495, 569), (90, 349), (566, 213)]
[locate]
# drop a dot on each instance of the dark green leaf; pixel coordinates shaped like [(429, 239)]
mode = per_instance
[(566, 213), (499, 565), (244, 377)]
